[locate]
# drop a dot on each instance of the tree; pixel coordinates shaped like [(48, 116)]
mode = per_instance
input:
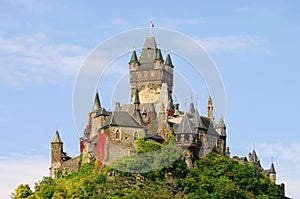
[(23, 191)]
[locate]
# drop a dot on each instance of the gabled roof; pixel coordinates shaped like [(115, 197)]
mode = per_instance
[(122, 119), (185, 126), (56, 138)]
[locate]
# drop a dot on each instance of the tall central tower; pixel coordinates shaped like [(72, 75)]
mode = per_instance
[(149, 72)]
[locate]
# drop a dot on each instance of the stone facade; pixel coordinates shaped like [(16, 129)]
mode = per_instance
[(152, 115)]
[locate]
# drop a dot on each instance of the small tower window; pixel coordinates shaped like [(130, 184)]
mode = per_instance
[(118, 135), (135, 135)]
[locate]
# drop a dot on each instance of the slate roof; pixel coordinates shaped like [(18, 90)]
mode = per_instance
[(101, 111), (197, 120), (97, 104), (192, 108), (122, 119), (186, 126), (272, 168), (56, 138), (158, 55), (169, 61), (133, 57), (149, 51)]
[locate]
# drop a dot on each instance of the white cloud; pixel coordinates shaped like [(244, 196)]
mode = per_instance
[(286, 160), (235, 44), (36, 57), (21, 169)]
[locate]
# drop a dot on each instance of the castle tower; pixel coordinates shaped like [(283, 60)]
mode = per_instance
[(210, 109), (56, 154), (272, 174), (134, 63), (149, 72), (97, 116)]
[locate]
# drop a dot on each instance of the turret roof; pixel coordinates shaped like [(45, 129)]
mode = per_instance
[(56, 138), (133, 57), (169, 61), (97, 104)]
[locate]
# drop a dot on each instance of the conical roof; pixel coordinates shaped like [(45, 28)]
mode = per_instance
[(56, 138), (169, 61), (159, 55), (134, 58), (272, 170), (192, 108), (97, 104), (221, 123), (186, 126)]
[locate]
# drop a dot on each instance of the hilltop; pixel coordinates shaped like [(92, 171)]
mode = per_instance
[(214, 176)]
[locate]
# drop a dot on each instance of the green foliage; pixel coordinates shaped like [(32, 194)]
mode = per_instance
[(22, 191), (213, 177)]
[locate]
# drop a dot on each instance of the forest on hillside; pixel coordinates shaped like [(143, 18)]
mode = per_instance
[(214, 176)]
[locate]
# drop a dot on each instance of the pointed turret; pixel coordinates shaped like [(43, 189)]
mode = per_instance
[(158, 56), (192, 108), (169, 61), (134, 58), (222, 127), (97, 104), (272, 174), (272, 170), (210, 109), (56, 138), (221, 123)]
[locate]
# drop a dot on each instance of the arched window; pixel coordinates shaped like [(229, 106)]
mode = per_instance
[(135, 135), (118, 135)]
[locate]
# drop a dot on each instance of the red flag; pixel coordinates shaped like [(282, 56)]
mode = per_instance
[(151, 24)]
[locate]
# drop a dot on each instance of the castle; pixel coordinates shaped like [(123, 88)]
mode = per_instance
[(152, 115)]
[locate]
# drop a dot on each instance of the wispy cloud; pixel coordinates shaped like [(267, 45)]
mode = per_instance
[(36, 57), (19, 169), (287, 161), (235, 44)]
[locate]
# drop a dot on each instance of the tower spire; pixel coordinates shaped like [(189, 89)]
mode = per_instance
[(97, 104), (56, 138), (210, 109)]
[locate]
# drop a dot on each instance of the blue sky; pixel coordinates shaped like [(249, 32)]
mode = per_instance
[(254, 45)]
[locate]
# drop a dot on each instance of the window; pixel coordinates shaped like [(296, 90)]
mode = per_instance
[(118, 135), (135, 135)]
